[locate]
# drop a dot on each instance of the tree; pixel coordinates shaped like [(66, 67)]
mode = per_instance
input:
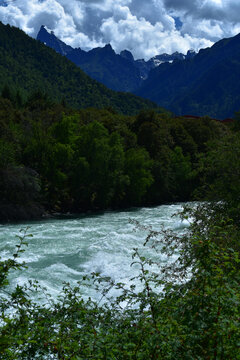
[(6, 93), (97, 177), (181, 175), (220, 169), (138, 169)]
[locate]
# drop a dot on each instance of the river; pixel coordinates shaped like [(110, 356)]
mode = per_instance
[(65, 249)]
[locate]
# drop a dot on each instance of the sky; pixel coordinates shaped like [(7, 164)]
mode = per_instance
[(144, 27)]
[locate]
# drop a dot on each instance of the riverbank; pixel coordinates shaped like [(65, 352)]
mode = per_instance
[(15, 213), (20, 212)]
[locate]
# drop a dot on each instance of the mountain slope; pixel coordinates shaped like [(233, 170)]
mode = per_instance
[(205, 84), (101, 64), (117, 72), (48, 38), (29, 65), (104, 65)]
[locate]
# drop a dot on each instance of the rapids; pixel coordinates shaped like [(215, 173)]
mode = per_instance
[(65, 249)]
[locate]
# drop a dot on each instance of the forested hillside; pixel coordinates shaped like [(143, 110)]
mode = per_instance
[(54, 158), (28, 65)]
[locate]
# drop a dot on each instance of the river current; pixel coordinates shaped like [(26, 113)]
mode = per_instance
[(64, 250)]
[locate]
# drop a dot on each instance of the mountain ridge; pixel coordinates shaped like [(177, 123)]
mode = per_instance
[(203, 85), (119, 72)]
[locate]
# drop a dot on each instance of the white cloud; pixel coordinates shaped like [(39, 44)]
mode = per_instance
[(210, 29), (213, 19), (146, 40), (14, 16), (145, 27)]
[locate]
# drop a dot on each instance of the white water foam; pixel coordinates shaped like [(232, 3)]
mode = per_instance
[(63, 250)]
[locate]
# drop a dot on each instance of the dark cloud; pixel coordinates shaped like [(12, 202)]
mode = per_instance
[(186, 5), (221, 10), (147, 9)]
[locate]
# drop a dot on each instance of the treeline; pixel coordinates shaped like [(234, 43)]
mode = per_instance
[(58, 159)]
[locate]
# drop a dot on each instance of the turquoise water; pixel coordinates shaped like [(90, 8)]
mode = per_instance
[(63, 250)]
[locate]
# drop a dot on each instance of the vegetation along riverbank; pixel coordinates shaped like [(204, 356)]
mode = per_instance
[(57, 159)]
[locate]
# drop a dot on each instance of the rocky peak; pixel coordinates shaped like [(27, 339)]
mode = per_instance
[(48, 37), (127, 55), (108, 48), (190, 54)]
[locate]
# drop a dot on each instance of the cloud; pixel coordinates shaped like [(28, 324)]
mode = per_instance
[(144, 27), (213, 19), (29, 15), (144, 39)]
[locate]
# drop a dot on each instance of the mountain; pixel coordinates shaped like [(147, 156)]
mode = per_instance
[(48, 38), (117, 72), (198, 84), (102, 64), (146, 66), (28, 65), (206, 84)]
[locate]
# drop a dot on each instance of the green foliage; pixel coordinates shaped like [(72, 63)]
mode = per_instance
[(181, 174), (138, 169), (27, 64), (98, 170), (7, 154), (98, 159), (222, 168)]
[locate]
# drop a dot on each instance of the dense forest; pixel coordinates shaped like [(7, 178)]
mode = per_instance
[(29, 65), (56, 159)]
